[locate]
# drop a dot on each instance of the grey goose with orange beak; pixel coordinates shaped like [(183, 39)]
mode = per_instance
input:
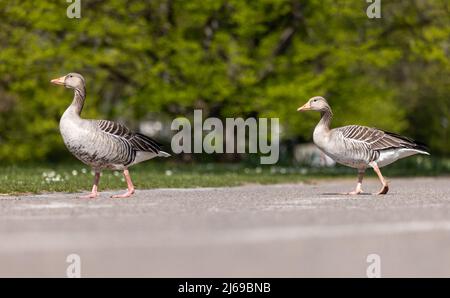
[(359, 147), (102, 144)]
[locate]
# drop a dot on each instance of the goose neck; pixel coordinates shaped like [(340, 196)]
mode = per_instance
[(325, 120), (78, 100)]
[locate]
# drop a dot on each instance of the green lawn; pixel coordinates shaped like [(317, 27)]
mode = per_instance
[(73, 178), (76, 177)]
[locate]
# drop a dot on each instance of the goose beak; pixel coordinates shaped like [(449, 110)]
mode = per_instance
[(305, 107), (58, 81)]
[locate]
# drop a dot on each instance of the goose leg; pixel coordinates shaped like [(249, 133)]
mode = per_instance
[(358, 189), (384, 190), (94, 192), (130, 185)]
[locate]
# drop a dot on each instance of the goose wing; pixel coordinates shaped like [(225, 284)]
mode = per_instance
[(136, 141), (377, 139)]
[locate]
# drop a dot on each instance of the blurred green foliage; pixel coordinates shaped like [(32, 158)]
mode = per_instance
[(229, 57)]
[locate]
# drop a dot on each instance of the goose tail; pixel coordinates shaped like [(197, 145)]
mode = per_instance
[(409, 143), (163, 154)]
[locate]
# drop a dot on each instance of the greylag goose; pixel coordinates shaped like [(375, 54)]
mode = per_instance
[(102, 144), (359, 146)]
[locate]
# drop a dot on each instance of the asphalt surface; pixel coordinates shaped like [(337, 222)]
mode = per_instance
[(289, 230)]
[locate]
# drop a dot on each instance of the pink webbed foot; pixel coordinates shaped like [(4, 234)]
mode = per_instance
[(128, 194), (355, 192), (89, 196), (130, 185), (384, 190), (94, 193)]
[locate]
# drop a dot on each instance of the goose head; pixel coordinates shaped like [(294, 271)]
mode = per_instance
[(72, 80), (316, 103)]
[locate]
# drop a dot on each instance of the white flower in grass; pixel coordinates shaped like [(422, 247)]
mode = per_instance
[(74, 172), (116, 173), (169, 173), (83, 170)]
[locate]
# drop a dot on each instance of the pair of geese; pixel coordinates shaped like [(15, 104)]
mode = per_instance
[(103, 144)]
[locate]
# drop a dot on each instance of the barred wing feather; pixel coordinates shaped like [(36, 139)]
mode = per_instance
[(377, 139), (137, 141)]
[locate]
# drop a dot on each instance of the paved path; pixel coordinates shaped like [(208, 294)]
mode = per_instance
[(289, 230)]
